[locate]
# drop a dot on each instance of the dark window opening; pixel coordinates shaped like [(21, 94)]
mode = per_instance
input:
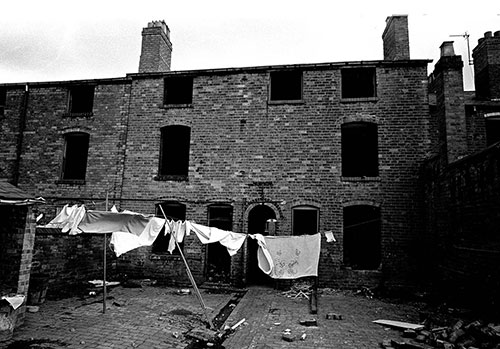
[(286, 85), (358, 83), (174, 211), (75, 156), (359, 149), (492, 130), (218, 259), (178, 90), (305, 220), (3, 98), (362, 240), (81, 100), (174, 152)]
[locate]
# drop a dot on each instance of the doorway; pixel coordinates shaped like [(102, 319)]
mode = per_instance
[(259, 218)]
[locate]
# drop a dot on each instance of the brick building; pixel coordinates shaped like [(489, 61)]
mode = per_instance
[(279, 150)]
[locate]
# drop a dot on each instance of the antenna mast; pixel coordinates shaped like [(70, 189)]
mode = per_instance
[(466, 37)]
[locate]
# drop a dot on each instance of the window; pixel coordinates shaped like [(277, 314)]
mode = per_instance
[(218, 259), (359, 149), (305, 220), (492, 128), (358, 83), (286, 85), (75, 156), (362, 237), (178, 90), (81, 100), (174, 211), (174, 152), (3, 98)]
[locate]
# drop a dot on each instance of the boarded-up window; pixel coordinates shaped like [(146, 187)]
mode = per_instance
[(174, 152), (305, 220), (75, 156), (358, 83), (359, 149), (362, 242), (286, 85), (175, 211), (81, 100), (178, 90)]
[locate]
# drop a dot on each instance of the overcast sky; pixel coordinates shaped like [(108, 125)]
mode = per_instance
[(69, 40)]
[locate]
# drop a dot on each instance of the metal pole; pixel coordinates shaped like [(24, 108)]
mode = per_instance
[(104, 267), (191, 278)]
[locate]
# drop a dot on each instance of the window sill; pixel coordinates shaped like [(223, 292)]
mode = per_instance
[(173, 178), (177, 106), (359, 100), (360, 179), (78, 115), (286, 101), (164, 257), (71, 181)]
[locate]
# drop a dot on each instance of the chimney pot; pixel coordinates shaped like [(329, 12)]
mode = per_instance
[(497, 33), (447, 49), (487, 34)]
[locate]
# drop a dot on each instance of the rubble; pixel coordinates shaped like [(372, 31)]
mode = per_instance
[(460, 335)]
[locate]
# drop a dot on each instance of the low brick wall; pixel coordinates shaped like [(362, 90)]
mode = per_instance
[(68, 261)]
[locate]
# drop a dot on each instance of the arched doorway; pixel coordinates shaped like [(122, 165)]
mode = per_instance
[(258, 218)]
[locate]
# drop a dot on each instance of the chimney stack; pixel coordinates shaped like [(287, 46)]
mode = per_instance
[(396, 39), (486, 58), (156, 51)]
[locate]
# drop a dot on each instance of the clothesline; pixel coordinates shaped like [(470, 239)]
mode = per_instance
[(131, 230)]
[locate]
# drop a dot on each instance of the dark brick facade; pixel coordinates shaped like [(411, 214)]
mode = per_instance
[(249, 151)]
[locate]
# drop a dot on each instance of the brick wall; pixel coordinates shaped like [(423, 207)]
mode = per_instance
[(463, 218), (16, 249), (239, 140), (66, 262)]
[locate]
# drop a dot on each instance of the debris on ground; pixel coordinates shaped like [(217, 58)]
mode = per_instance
[(299, 290), (333, 316), (461, 335), (184, 291), (399, 324), (365, 291), (309, 322)]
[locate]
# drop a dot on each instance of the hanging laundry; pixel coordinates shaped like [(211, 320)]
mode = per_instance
[(232, 241), (123, 242), (68, 219), (288, 257), (329, 236)]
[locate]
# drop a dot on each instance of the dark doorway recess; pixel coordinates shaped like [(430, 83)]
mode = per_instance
[(257, 219)]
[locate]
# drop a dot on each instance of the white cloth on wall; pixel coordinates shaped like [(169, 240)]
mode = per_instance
[(289, 257)]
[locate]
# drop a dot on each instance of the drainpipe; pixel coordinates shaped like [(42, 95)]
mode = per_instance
[(20, 139)]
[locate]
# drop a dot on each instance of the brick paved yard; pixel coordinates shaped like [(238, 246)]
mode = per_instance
[(159, 317)]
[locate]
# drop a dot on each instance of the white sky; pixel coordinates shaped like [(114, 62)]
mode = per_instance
[(68, 40)]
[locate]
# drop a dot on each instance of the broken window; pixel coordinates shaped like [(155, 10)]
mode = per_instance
[(3, 98), (81, 100), (358, 83), (178, 90), (362, 237), (218, 259), (493, 129), (75, 156), (286, 85), (305, 220), (174, 211), (359, 149), (174, 152)]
